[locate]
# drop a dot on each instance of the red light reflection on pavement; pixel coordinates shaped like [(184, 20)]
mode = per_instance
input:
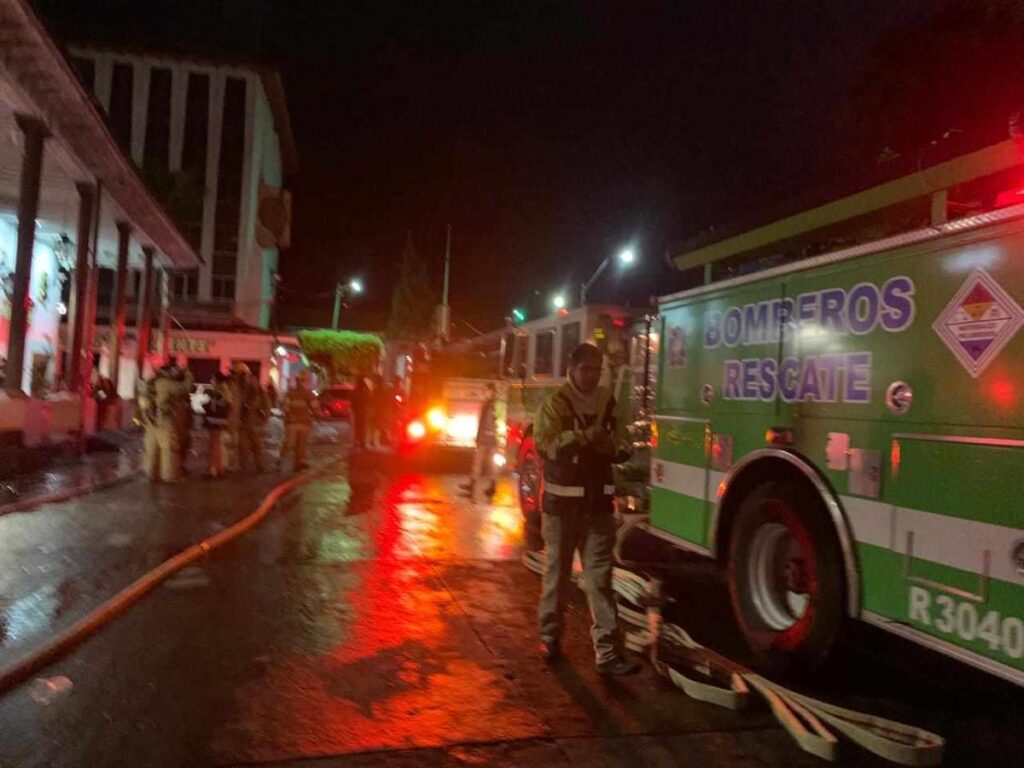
[(400, 674)]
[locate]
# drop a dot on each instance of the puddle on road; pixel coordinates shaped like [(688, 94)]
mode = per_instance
[(36, 612)]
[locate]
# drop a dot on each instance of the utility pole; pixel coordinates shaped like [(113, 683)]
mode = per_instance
[(337, 305), (443, 320)]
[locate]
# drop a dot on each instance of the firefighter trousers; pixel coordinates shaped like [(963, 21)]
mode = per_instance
[(296, 442), (567, 526), (162, 453), (250, 443)]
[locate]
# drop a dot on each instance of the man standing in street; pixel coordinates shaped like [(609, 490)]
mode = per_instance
[(360, 406), (299, 409), (162, 454), (578, 439), (183, 413), (252, 419), (486, 445)]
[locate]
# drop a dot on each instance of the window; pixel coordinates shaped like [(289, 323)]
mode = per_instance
[(121, 104), (223, 288), (193, 151), (185, 285), (157, 152), (570, 340), (229, 177), (544, 353), (86, 71)]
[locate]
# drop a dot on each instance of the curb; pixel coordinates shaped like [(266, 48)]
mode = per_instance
[(68, 493)]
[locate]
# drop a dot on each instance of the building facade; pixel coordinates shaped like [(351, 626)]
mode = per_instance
[(215, 138), (72, 204)]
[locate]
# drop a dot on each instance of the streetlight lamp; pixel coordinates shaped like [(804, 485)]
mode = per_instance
[(355, 286), (625, 257), (558, 302)]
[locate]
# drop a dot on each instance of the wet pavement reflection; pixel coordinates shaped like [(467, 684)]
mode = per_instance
[(376, 618)]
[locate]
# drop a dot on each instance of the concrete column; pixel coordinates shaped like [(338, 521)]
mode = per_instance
[(80, 288), (145, 318), (124, 231), (165, 314), (34, 133)]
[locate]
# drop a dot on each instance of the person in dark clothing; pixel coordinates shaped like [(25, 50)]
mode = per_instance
[(216, 412), (486, 445), (360, 406)]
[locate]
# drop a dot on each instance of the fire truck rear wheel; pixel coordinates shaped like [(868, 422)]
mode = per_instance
[(786, 578), (529, 497)]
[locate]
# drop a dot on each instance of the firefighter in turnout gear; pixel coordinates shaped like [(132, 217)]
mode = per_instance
[(299, 409), (249, 414), (158, 406), (579, 440)]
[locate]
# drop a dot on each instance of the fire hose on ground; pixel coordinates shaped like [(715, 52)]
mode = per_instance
[(61, 645), (708, 676)]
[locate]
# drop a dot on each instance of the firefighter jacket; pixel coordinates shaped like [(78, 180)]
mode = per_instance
[(159, 400), (574, 467), (299, 406)]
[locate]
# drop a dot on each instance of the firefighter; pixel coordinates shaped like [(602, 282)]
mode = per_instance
[(216, 413), (252, 414), (183, 412), (299, 409), (486, 445), (157, 414), (578, 438)]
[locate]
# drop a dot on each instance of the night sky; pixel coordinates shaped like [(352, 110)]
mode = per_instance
[(550, 134)]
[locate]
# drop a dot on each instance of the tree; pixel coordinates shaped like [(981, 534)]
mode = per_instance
[(412, 304), (342, 353)]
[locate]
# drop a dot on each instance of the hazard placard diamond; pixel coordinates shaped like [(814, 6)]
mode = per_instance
[(978, 322)]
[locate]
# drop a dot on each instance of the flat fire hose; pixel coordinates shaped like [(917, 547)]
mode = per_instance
[(77, 633), (707, 676)]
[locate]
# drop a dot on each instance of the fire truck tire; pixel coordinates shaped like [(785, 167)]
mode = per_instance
[(785, 578), (529, 497)]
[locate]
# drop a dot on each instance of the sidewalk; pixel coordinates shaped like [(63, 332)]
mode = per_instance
[(113, 457), (62, 559)]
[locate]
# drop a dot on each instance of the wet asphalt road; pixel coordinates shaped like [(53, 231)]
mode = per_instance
[(378, 619)]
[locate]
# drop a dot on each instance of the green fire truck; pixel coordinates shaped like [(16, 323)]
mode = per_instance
[(844, 432)]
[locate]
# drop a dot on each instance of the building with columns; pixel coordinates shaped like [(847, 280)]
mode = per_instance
[(216, 134), (71, 203)]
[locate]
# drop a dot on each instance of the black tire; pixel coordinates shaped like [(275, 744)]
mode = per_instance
[(529, 495), (785, 565)]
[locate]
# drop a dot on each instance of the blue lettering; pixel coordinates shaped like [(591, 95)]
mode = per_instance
[(733, 326), (712, 329), (829, 368), (768, 385), (862, 308), (751, 384), (755, 323), (810, 386), (789, 372), (898, 303), (807, 309), (833, 301), (731, 385), (858, 377)]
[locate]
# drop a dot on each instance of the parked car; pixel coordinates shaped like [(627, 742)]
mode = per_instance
[(335, 401)]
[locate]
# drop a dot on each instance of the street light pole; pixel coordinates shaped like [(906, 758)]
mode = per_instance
[(626, 257), (354, 285), (584, 287)]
